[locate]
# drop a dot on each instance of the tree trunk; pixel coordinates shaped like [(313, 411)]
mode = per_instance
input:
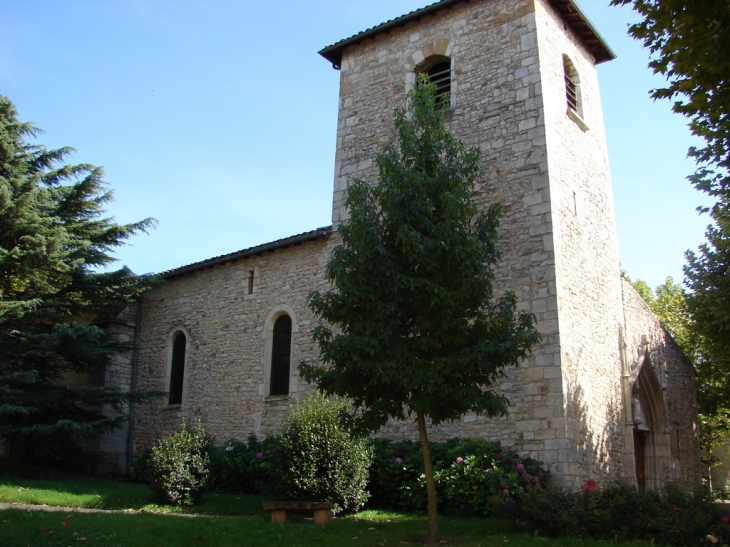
[(707, 448), (433, 531)]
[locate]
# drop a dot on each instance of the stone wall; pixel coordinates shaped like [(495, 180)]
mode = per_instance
[(549, 171), (226, 357), (108, 454), (646, 343), (586, 255)]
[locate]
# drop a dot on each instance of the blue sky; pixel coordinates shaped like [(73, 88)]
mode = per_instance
[(218, 119)]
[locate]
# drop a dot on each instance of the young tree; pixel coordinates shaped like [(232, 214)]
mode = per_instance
[(412, 325), (54, 242)]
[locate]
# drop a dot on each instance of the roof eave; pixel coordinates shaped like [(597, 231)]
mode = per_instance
[(567, 8), (245, 253)]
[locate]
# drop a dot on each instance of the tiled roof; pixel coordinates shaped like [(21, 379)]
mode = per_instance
[(568, 9), (259, 249)]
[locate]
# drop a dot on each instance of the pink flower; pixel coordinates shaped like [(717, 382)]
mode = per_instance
[(505, 492), (259, 455), (398, 460), (503, 485), (589, 486), (520, 467), (490, 471), (536, 480), (725, 519), (459, 459)]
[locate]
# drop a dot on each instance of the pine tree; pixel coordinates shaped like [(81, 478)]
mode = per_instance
[(412, 325), (55, 244)]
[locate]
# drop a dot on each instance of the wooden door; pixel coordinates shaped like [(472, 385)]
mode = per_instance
[(639, 442)]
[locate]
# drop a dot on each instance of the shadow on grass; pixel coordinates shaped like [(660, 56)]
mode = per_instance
[(21, 528), (73, 491)]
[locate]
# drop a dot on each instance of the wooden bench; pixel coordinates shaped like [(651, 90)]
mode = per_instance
[(280, 510)]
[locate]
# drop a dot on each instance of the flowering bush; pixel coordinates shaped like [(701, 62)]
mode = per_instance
[(616, 511), (589, 486), (472, 476), (244, 468)]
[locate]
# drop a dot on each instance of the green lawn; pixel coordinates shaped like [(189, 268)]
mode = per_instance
[(248, 525), (109, 494)]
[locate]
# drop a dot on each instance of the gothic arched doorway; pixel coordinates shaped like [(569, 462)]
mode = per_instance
[(651, 439)]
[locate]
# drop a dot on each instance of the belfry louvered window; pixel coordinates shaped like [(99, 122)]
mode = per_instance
[(177, 369), (572, 87), (440, 76), (280, 356), (571, 93)]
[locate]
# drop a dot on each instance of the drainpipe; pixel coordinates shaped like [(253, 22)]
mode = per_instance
[(133, 382)]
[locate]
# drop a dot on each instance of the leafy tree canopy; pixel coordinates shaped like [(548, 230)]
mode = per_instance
[(54, 245), (412, 324), (690, 45), (689, 42)]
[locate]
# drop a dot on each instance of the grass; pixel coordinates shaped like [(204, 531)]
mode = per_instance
[(246, 524), (115, 495)]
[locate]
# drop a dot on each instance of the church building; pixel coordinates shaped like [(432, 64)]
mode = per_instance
[(606, 394)]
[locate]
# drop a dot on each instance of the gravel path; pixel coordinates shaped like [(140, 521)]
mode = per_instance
[(56, 509)]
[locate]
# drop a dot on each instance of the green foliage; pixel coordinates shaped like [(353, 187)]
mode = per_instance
[(140, 470), (708, 277), (411, 324), (690, 46), (180, 465), (320, 457), (669, 303), (617, 511), (419, 325), (245, 468), (470, 476), (55, 241)]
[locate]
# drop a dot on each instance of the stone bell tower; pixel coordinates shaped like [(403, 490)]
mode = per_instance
[(523, 89)]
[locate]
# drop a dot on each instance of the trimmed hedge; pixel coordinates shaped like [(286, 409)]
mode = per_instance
[(320, 458)]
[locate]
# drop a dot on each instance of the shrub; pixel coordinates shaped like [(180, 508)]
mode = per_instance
[(244, 468), (471, 475), (319, 456), (140, 470), (179, 465), (618, 511)]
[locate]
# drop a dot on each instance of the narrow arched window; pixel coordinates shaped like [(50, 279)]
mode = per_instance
[(177, 369), (280, 356)]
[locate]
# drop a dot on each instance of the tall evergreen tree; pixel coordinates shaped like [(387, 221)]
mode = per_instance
[(54, 245), (412, 325)]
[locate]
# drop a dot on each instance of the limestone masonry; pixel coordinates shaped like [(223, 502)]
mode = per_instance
[(608, 392)]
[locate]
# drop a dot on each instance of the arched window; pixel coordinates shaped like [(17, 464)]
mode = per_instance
[(280, 356), (177, 369), (572, 87), (438, 70)]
